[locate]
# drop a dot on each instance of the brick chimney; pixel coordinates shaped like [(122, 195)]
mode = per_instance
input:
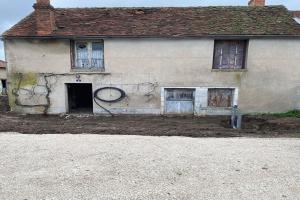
[(257, 3), (45, 17)]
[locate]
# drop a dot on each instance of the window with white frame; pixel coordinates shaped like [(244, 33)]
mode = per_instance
[(229, 54), (89, 55)]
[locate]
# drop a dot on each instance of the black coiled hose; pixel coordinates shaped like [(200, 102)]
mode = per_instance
[(96, 97)]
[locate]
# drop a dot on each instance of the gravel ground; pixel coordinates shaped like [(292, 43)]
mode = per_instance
[(135, 167)]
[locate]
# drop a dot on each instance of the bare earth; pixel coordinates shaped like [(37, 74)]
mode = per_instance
[(35, 167), (253, 126)]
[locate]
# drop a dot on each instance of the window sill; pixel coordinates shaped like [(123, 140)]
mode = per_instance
[(219, 108), (90, 71), (229, 70)]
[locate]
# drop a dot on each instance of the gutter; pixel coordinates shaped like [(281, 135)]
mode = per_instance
[(153, 37)]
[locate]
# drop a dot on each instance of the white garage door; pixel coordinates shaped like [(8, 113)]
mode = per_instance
[(179, 101)]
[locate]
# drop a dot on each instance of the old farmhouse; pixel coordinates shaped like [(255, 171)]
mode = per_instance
[(172, 60)]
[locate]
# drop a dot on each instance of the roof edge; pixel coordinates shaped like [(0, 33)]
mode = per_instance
[(168, 7), (22, 20), (10, 34), (150, 37)]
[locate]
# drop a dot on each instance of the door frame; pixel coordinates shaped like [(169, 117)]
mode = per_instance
[(67, 99)]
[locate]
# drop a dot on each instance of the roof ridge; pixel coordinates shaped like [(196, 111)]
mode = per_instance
[(170, 7)]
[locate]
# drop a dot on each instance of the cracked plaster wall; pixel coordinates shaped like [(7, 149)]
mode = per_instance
[(141, 67)]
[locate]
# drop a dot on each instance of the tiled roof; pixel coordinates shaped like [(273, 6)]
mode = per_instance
[(296, 13), (165, 22), (2, 64)]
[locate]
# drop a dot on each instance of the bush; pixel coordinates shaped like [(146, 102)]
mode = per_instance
[(292, 113)]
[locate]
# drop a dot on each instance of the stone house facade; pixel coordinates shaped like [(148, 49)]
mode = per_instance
[(193, 60)]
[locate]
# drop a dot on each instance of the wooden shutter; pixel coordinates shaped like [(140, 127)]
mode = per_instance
[(225, 55), (240, 55), (72, 53), (232, 54), (218, 55), (229, 54)]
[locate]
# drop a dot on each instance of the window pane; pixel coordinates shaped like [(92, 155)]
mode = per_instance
[(229, 54), (97, 55), (180, 95), (82, 55), (232, 55), (225, 56), (240, 55), (218, 55), (220, 97)]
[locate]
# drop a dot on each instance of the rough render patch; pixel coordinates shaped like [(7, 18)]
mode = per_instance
[(28, 79), (37, 93), (28, 90), (201, 100), (40, 93)]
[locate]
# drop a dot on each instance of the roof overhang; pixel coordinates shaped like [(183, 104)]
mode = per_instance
[(152, 37)]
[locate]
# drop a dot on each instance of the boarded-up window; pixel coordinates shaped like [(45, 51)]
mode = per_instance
[(179, 101), (88, 55), (220, 97), (229, 54)]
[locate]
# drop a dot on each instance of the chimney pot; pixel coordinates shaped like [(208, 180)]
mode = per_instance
[(257, 3)]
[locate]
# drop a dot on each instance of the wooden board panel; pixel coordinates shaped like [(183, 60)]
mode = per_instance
[(220, 97)]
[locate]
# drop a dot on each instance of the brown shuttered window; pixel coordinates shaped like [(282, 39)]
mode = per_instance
[(72, 53), (229, 54), (220, 97)]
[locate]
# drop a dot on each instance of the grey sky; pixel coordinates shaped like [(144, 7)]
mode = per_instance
[(13, 10)]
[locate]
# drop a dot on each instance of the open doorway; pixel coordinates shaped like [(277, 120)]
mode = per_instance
[(4, 88), (80, 98)]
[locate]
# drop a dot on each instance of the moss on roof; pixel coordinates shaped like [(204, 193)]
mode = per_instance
[(165, 22)]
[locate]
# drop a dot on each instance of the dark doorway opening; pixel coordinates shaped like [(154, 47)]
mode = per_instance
[(80, 98), (4, 89)]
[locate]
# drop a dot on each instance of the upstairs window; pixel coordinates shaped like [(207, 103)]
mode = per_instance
[(229, 54), (88, 55)]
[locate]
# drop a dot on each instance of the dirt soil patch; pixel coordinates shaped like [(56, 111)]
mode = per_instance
[(3, 103), (253, 126)]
